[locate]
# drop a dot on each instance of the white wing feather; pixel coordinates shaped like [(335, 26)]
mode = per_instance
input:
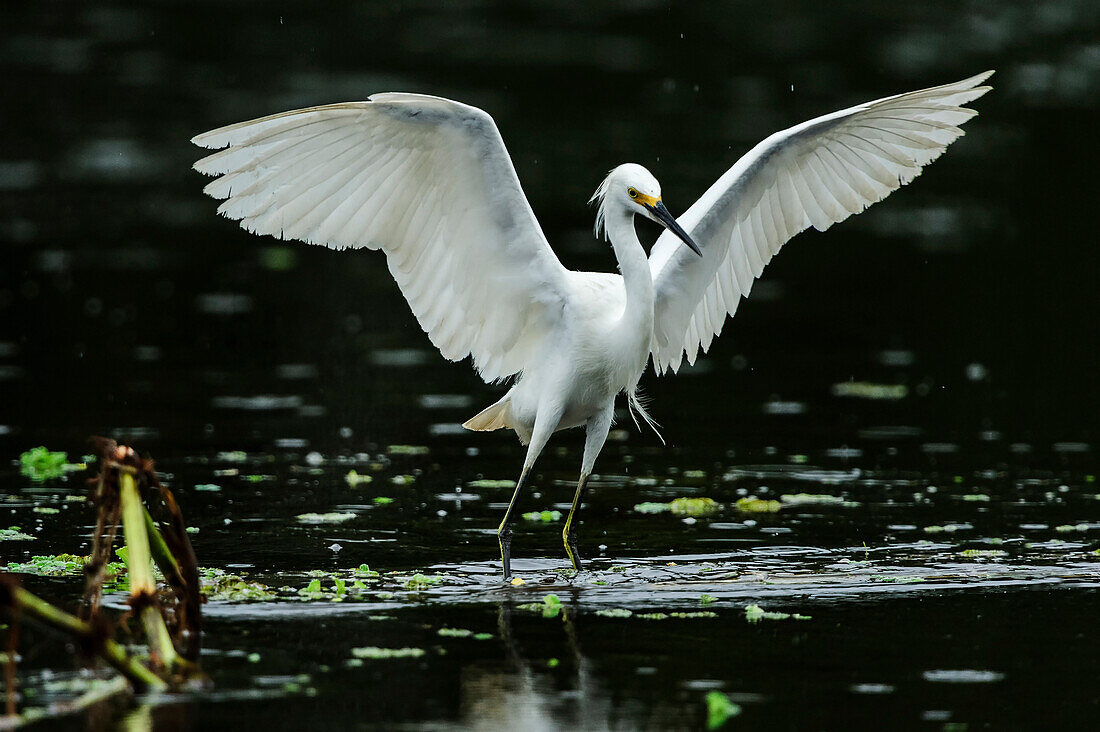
[(814, 174), (424, 179)]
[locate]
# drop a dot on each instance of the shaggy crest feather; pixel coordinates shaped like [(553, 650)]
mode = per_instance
[(600, 229)]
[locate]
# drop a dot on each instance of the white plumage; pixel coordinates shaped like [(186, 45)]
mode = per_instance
[(429, 182)]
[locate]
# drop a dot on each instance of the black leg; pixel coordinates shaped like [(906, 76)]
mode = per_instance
[(504, 531), (569, 534)]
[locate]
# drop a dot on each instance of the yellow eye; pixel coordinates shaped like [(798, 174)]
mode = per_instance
[(632, 192)]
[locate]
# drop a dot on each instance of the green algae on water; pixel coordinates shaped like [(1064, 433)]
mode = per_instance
[(12, 533), (333, 517), (615, 612), (490, 484), (983, 553), (681, 506), (550, 607), (544, 516), (355, 480), (720, 709), (754, 614), (752, 504), (376, 653), (40, 464), (422, 581)]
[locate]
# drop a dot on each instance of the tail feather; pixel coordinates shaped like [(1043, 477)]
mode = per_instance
[(490, 418)]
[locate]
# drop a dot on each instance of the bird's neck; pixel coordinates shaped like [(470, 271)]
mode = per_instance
[(637, 318)]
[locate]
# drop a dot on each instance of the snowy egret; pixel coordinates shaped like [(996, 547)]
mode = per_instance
[(429, 182)]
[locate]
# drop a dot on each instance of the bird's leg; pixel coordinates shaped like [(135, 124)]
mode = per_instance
[(546, 421), (568, 534), (596, 431), (504, 531)]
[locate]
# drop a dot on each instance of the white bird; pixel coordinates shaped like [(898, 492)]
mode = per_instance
[(429, 182)]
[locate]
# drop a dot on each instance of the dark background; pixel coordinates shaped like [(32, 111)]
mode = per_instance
[(111, 253)]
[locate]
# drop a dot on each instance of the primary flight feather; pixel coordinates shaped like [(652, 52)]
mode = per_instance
[(429, 182)]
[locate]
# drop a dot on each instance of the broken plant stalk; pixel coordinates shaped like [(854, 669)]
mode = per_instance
[(139, 566), (35, 607)]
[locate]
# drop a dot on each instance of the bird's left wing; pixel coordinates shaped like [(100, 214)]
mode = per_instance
[(425, 179), (815, 174)]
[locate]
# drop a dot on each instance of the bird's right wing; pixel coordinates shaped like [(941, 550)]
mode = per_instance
[(426, 180), (815, 174)]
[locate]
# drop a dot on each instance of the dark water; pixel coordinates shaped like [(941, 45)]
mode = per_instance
[(956, 587)]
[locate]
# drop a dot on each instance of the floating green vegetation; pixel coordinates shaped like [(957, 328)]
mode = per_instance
[(800, 499), (364, 571), (693, 615), (355, 480), (422, 581), (46, 509), (693, 506), (334, 517), (977, 497), (615, 612), (695, 474), (12, 533), (652, 616), (59, 565), (1066, 528), (544, 516), (208, 487), (754, 614), (868, 390), (403, 479), (752, 504), (707, 599), (220, 585), (681, 507), (720, 709), (408, 450), (550, 607), (652, 507), (40, 465), (382, 500), (487, 484), (232, 456), (374, 653), (895, 579), (552, 663), (463, 633), (983, 553)]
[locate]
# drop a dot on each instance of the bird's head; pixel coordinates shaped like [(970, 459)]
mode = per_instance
[(633, 189)]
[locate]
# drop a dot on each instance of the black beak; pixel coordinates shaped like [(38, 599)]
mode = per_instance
[(669, 222)]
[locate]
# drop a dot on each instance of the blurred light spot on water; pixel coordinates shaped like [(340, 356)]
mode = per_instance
[(61, 55), (278, 259), (223, 303), (54, 260), (1020, 448), (296, 371), (291, 443), (18, 230), (147, 353), (890, 432), (989, 435), (8, 373), (19, 175), (1071, 447), (781, 407), (258, 403), (962, 676), (5, 429), (939, 448), (445, 401), (976, 372), (844, 453), (871, 689), (8, 349), (135, 433), (896, 358), (446, 428), (114, 160), (865, 390), (399, 357), (312, 410)]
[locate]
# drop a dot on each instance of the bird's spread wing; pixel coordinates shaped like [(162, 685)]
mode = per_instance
[(426, 180), (815, 174)]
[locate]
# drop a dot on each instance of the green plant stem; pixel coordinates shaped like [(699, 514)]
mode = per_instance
[(114, 654), (139, 566), (162, 555)]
